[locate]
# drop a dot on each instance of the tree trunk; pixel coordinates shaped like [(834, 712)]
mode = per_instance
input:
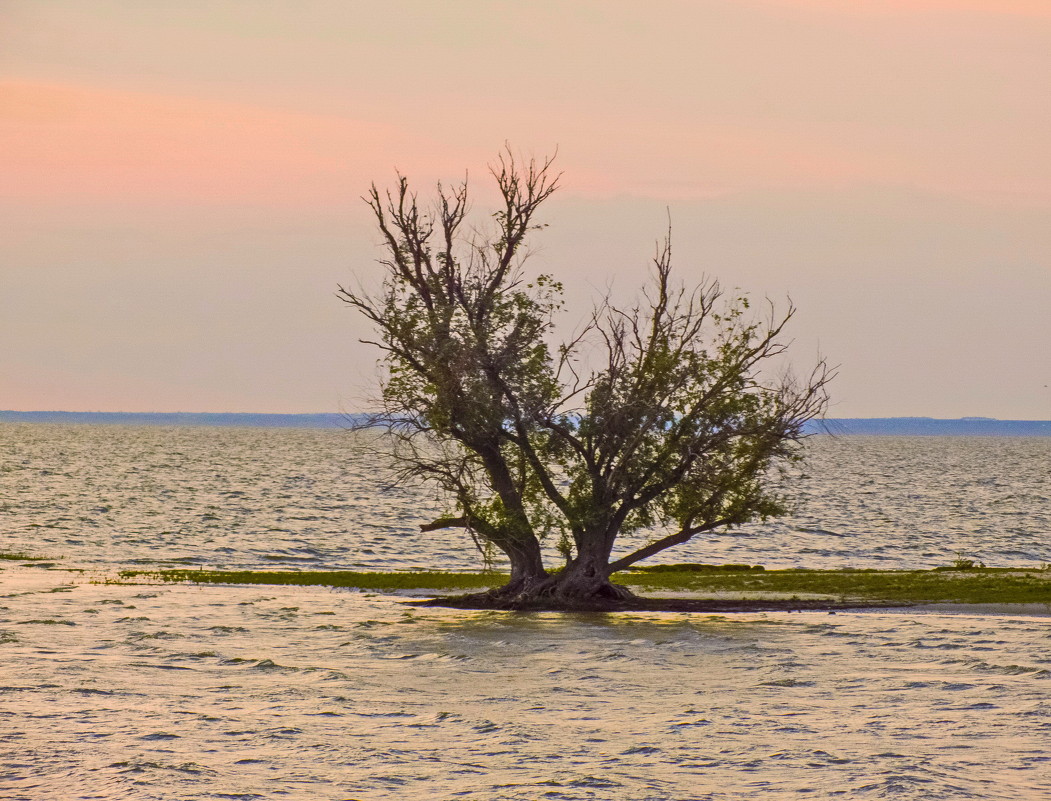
[(527, 566), (583, 584)]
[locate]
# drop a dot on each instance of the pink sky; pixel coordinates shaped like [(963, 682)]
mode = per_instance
[(890, 153), (1026, 8)]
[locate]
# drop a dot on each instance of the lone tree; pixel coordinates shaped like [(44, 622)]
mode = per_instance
[(673, 427)]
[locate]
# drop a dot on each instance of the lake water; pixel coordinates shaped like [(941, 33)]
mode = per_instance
[(183, 692), (110, 496)]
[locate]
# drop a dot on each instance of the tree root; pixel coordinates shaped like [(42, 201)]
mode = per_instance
[(709, 606), (548, 592)]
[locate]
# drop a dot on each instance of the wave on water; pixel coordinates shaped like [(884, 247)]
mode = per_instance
[(256, 498)]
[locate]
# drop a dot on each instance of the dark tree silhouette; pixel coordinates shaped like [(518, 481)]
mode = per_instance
[(676, 429)]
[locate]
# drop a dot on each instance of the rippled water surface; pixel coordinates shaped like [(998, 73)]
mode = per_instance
[(183, 692), (235, 692), (318, 499)]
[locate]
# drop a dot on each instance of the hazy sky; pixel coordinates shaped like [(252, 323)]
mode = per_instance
[(180, 182)]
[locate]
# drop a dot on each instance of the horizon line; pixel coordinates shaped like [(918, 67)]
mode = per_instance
[(966, 418)]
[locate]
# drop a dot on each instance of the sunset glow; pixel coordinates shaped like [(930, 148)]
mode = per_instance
[(837, 152)]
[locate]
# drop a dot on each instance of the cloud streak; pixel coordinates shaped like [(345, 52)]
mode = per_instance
[(69, 142), (1026, 8)]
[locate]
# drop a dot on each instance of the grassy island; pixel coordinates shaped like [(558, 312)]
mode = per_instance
[(703, 586)]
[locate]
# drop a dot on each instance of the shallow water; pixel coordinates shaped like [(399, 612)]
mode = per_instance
[(180, 692), (317, 499)]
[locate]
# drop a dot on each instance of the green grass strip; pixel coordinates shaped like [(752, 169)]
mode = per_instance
[(417, 580), (971, 586), (990, 585), (19, 556)]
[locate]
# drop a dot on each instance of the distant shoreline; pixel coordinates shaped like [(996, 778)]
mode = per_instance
[(929, 426), (220, 419), (867, 426)]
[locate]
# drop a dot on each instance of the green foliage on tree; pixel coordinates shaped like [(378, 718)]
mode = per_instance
[(660, 416)]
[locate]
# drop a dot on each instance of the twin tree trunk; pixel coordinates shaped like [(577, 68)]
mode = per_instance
[(584, 582)]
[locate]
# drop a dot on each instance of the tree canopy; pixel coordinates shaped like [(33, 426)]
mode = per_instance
[(662, 416)]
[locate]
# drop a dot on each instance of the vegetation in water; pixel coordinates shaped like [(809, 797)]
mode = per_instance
[(961, 562), (385, 581), (21, 556), (980, 585)]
